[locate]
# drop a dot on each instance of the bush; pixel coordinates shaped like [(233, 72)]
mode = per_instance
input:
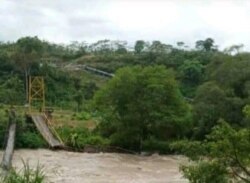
[(73, 137), (82, 116), (126, 140), (192, 149), (28, 139), (223, 157), (205, 172), (76, 138), (97, 141), (155, 145)]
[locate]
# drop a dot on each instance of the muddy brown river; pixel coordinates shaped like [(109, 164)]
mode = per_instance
[(71, 167)]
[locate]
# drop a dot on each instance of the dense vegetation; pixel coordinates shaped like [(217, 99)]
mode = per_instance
[(160, 95), (142, 104)]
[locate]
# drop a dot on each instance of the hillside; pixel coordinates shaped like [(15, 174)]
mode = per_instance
[(153, 97)]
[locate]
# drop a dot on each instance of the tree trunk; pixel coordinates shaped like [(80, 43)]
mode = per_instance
[(9, 150)]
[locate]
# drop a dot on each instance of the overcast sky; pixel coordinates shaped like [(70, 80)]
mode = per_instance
[(62, 21)]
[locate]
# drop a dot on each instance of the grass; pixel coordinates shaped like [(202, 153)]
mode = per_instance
[(73, 119), (61, 117), (25, 175)]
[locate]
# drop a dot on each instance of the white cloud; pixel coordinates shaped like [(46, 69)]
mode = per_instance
[(226, 21)]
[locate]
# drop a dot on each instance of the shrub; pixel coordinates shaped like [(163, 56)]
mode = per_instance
[(76, 138), (223, 157), (73, 137), (155, 145), (97, 141), (205, 172), (28, 139), (82, 116)]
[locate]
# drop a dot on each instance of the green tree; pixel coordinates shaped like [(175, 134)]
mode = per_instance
[(180, 44), (209, 106), (139, 46), (12, 91), (28, 51), (192, 72), (223, 157), (234, 49), (160, 48), (89, 89), (102, 47), (206, 45), (120, 47), (225, 93), (78, 97), (246, 113), (139, 103)]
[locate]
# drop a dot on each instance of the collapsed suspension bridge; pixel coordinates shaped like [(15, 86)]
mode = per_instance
[(39, 115), (42, 118)]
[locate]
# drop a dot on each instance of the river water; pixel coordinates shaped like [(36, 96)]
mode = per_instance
[(71, 167)]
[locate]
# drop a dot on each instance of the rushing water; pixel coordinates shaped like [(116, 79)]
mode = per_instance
[(70, 167)]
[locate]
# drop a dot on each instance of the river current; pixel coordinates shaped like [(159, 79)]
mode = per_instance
[(71, 167)]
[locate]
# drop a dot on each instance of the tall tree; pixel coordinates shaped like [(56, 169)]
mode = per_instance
[(234, 49), (28, 51), (206, 45), (139, 46), (139, 103)]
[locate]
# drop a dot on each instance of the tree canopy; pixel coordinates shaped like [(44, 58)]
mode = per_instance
[(140, 103)]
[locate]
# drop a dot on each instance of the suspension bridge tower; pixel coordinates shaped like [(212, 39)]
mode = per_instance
[(36, 94)]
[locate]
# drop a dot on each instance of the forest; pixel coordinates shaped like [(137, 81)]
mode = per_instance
[(170, 99)]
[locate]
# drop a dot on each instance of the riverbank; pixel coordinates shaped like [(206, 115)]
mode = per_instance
[(69, 167)]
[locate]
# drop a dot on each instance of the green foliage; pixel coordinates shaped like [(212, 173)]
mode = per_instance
[(28, 139), (82, 116), (96, 140), (139, 46), (206, 45), (246, 111), (225, 93), (89, 89), (73, 137), (191, 72), (29, 45), (141, 102), (12, 91), (205, 172), (192, 149), (137, 107), (25, 175), (225, 155), (26, 134), (156, 145), (78, 137), (209, 105), (3, 126)]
